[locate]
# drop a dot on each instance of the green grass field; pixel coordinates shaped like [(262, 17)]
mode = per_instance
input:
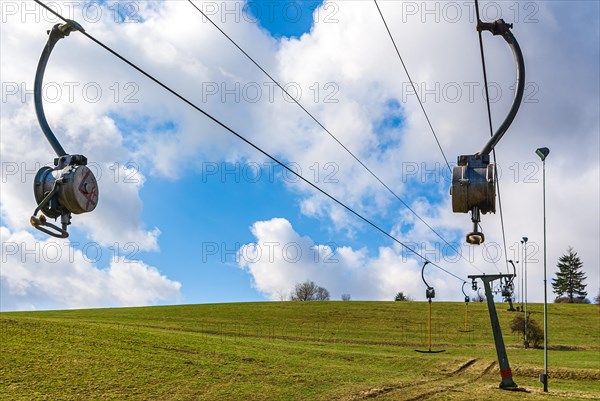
[(290, 351)]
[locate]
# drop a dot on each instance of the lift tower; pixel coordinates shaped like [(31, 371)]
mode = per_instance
[(505, 372)]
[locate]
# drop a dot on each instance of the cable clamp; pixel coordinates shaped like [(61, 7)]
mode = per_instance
[(60, 31), (498, 27)]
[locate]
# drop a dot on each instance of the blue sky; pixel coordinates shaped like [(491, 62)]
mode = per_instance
[(181, 199), (290, 18), (215, 209)]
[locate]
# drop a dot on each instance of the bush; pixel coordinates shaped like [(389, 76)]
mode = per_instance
[(535, 334), (346, 297), (400, 297), (309, 291), (322, 294), (567, 300)]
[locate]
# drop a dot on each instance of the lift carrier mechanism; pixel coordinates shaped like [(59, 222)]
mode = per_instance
[(473, 187), (70, 187)]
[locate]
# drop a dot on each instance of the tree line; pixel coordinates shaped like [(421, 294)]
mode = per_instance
[(568, 285)]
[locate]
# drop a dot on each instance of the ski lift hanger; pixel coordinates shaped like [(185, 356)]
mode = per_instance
[(466, 326), (430, 294), (70, 187), (473, 187), (464, 293), (508, 287)]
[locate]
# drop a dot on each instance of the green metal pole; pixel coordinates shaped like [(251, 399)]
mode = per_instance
[(545, 377), (505, 371), (526, 311)]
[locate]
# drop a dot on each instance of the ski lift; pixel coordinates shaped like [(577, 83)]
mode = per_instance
[(508, 288), (473, 187), (430, 294), (466, 328), (70, 187)]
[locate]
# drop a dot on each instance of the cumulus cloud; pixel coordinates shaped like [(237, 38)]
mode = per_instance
[(349, 76), (52, 274), (442, 55), (83, 104), (281, 257)]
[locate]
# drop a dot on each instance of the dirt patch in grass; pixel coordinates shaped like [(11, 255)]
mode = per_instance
[(569, 374)]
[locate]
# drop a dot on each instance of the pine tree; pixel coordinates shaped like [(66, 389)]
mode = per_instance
[(569, 279)]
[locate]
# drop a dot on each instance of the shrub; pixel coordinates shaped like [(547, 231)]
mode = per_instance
[(400, 297), (567, 300), (535, 334), (309, 291)]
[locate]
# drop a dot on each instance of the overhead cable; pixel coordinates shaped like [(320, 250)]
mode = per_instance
[(248, 142)]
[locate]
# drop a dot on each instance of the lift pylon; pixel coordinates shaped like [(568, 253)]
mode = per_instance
[(505, 372)]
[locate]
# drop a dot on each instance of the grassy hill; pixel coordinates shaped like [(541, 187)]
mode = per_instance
[(290, 351)]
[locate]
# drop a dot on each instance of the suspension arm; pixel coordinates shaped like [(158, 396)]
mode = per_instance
[(429, 292), (59, 31), (500, 27)]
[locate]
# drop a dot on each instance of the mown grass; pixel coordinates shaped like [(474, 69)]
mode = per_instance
[(289, 351)]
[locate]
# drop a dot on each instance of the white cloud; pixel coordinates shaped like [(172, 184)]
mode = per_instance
[(352, 52), (560, 111), (52, 274), (280, 258)]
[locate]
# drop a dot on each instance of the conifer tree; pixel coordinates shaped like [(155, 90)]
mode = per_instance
[(569, 279)]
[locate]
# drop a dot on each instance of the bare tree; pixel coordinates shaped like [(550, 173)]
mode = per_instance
[(309, 291), (322, 294), (346, 297)]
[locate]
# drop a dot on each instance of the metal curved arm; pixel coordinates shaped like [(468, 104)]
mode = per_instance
[(500, 27), (514, 270), (464, 293), (423, 274), (58, 32)]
